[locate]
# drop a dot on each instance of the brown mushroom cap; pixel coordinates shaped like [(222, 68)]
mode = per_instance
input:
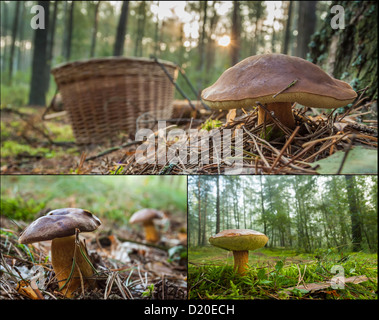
[(239, 239), (258, 78), (145, 215), (59, 223)]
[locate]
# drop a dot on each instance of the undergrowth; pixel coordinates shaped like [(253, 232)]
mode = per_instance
[(272, 278)]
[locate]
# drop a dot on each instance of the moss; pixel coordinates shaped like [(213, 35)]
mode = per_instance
[(356, 55), (13, 148), (20, 208)]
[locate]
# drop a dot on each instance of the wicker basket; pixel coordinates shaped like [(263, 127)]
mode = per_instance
[(106, 96)]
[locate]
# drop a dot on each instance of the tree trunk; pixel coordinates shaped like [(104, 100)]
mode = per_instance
[(38, 79), (256, 12), (94, 29), (13, 45), (69, 31), (21, 46), (211, 45), (141, 19), (350, 54), (121, 30), (306, 26), (262, 207), (201, 47), (218, 205), (64, 36), (204, 236), (156, 36), (235, 41), (287, 34), (199, 211), (356, 228), (50, 44), (4, 33)]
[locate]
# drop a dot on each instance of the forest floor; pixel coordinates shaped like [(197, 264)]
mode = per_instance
[(321, 144), (282, 274), (127, 266)]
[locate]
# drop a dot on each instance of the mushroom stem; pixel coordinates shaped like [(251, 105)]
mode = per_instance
[(151, 233), (282, 110), (241, 259), (62, 253)]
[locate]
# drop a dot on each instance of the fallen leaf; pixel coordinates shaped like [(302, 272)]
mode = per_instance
[(231, 115), (29, 290), (311, 287), (340, 125), (332, 292)]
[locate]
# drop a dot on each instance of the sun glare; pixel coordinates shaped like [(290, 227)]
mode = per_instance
[(224, 41)]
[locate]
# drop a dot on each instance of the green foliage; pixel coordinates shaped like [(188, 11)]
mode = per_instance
[(176, 253), (211, 124), (149, 291), (115, 198), (19, 208), (13, 149), (219, 281), (14, 95)]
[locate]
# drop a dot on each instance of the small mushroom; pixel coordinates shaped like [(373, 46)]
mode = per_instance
[(146, 217), (240, 241), (60, 226), (278, 81)]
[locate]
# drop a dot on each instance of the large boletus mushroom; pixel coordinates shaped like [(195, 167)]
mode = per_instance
[(277, 81), (146, 218), (67, 258), (240, 241)]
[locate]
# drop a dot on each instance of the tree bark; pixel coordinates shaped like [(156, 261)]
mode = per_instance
[(21, 46), (13, 45), (356, 228), (218, 205), (201, 46), (350, 54), (141, 20), (287, 34), (235, 41), (70, 26), (38, 79), (306, 26), (199, 211), (94, 29), (50, 44), (121, 30)]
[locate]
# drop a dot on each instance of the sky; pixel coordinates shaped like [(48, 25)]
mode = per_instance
[(191, 28)]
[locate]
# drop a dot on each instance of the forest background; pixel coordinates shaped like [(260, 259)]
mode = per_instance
[(305, 213), (315, 226), (203, 37)]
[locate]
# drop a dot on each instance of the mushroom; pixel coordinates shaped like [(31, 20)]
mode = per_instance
[(278, 81), (67, 257), (146, 217), (240, 241)]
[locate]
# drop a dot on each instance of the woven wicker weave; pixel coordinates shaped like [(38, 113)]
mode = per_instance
[(105, 96)]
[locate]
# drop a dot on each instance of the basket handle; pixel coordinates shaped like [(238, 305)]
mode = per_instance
[(45, 116), (176, 85)]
